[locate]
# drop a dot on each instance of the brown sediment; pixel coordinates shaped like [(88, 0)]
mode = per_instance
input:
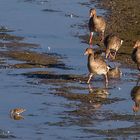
[(51, 77), (9, 40), (4, 29), (8, 37), (17, 44), (50, 10), (124, 20), (29, 59), (33, 59), (93, 97), (133, 130)]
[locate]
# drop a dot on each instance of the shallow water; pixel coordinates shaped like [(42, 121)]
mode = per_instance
[(52, 110)]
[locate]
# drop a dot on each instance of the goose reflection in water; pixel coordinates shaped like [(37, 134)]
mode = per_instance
[(84, 112), (135, 95), (98, 92), (17, 117), (99, 96)]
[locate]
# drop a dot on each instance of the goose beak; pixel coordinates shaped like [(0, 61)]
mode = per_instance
[(135, 46), (121, 42), (135, 108), (90, 15), (85, 53)]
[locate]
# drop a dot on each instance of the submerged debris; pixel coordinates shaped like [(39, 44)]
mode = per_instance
[(5, 29)]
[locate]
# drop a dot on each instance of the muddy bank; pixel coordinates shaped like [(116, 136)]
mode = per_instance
[(123, 19), (14, 48), (33, 59)]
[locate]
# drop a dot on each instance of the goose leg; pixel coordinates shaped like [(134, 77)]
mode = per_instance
[(106, 79), (90, 88), (115, 55), (91, 36), (107, 53), (138, 66), (102, 36), (90, 76), (136, 108)]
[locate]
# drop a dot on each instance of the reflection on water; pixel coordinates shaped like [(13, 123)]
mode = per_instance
[(135, 95), (16, 117), (85, 112), (60, 103), (98, 92), (95, 95), (6, 134)]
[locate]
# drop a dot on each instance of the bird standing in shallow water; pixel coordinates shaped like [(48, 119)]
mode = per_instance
[(112, 44), (16, 113), (96, 24), (96, 65), (136, 54)]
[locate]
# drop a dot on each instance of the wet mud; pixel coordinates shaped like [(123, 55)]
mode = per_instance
[(123, 18)]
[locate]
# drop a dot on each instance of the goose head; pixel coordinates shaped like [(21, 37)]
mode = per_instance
[(89, 51), (121, 42), (137, 44), (92, 12)]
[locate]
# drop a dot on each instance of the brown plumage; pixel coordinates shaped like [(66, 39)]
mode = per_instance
[(136, 54), (96, 65), (112, 44), (135, 95), (96, 24), (17, 111), (114, 73)]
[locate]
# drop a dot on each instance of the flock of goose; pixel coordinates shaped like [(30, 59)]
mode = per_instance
[(96, 64)]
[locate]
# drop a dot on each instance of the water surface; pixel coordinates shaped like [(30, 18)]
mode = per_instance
[(59, 110)]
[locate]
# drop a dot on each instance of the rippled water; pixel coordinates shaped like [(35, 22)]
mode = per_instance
[(60, 115)]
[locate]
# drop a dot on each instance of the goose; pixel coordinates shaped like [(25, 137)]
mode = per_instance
[(136, 54), (96, 24), (114, 73), (112, 44), (96, 65)]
